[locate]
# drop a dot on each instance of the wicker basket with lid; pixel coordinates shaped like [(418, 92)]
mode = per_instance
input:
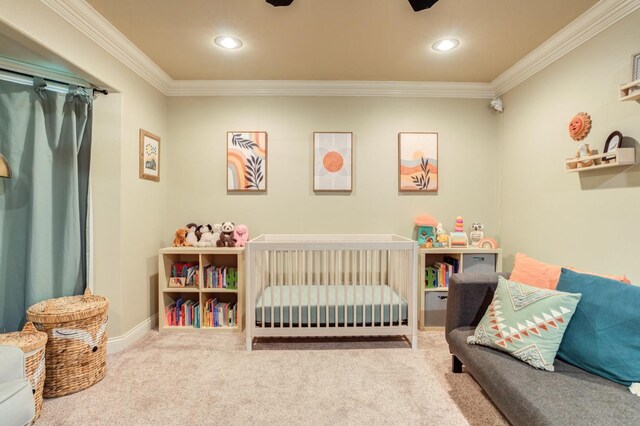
[(77, 345), (32, 342)]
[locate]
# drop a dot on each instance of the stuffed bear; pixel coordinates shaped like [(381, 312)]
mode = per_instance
[(241, 235), (192, 238), (217, 229), (226, 236), (180, 239), (206, 237)]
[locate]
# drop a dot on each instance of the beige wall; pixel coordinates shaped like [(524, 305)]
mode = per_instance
[(587, 220), (128, 212), (196, 170)]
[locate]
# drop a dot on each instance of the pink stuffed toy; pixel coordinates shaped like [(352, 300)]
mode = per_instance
[(241, 235)]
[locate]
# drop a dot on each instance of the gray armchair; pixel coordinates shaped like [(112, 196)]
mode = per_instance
[(16, 395)]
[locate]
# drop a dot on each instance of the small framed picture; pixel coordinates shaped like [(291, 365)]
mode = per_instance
[(246, 161), (149, 156), (332, 161), (635, 67), (612, 144), (418, 162)]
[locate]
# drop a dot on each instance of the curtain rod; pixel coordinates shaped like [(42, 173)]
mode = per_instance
[(61, 83)]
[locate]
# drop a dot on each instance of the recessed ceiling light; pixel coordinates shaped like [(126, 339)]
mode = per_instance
[(228, 42), (445, 44)]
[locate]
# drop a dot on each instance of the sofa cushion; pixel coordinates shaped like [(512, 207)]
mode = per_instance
[(526, 322), (543, 275), (16, 402), (603, 336), (527, 396)]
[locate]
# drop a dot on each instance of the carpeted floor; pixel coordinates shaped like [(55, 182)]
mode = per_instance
[(197, 378)]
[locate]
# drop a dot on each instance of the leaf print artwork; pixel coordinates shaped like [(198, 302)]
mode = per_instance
[(246, 161)]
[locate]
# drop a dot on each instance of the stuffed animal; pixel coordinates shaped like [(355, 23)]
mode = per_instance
[(476, 234), (226, 236), (180, 239), (217, 229), (442, 239), (241, 235), (206, 237), (192, 238)]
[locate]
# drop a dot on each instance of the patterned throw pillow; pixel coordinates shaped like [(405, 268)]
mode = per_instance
[(526, 322)]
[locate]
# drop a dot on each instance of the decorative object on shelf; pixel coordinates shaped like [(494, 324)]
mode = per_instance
[(226, 236), (476, 234), (459, 227), (635, 66), (206, 236), (241, 235), (180, 239), (418, 162), (247, 161), (458, 239), (579, 128), (442, 239), (426, 230), (332, 161), (192, 236), (612, 144), (5, 170), (217, 229), (149, 156), (177, 282), (488, 243), (76, 352)]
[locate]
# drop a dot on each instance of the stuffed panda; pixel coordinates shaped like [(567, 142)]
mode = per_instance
[(226, 235), (476, 233)]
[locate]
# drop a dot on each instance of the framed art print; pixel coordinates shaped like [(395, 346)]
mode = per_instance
[(418, 162), (635, 67), (332, 161), (149, 156), (246, 161)]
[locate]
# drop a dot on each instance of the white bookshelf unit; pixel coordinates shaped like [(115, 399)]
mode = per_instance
[(477, 259), (203, 256)]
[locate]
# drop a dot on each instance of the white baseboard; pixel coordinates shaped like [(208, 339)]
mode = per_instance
[(116, 344)]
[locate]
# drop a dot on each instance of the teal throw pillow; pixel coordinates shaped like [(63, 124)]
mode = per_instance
[(604, 335), (526, 322)]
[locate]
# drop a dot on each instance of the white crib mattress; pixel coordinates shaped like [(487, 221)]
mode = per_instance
[(375, 300)]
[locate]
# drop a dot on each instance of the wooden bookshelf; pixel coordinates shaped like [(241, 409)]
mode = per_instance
[(429, 256), (203, 256)]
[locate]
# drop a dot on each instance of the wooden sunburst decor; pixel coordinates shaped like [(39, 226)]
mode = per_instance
[(580, 126)]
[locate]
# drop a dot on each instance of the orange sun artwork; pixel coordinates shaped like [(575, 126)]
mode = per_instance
[(580, 126)]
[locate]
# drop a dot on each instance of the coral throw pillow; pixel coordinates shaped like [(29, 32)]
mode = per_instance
[(526, 322), (530, 271)]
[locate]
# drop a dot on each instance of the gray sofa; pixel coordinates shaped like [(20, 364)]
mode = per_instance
[(526, 396), (16, 395)]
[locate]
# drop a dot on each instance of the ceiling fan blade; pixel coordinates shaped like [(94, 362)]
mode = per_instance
[(419, 5)]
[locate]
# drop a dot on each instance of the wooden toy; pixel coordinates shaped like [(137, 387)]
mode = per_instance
[(426, 230)]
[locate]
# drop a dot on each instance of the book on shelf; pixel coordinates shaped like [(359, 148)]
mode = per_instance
[(219, 314), (225, 277), (183, 314), (184, 274), (439, 274)]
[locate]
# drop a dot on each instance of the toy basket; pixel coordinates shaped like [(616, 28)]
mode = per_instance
[(77, 347), (32, 342)]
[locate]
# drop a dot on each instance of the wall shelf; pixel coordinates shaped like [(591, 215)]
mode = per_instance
[(630, 91), (621, 157)]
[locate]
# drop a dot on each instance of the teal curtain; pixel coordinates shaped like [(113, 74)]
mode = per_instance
[(46, 137)]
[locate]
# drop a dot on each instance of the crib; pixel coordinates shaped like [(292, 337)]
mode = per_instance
[(331, 285)]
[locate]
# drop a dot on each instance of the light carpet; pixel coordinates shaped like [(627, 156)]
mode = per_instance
[(183, 378)]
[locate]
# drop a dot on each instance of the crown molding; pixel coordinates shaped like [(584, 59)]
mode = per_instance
[(598, 18), (399, 89), (89, 22)]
